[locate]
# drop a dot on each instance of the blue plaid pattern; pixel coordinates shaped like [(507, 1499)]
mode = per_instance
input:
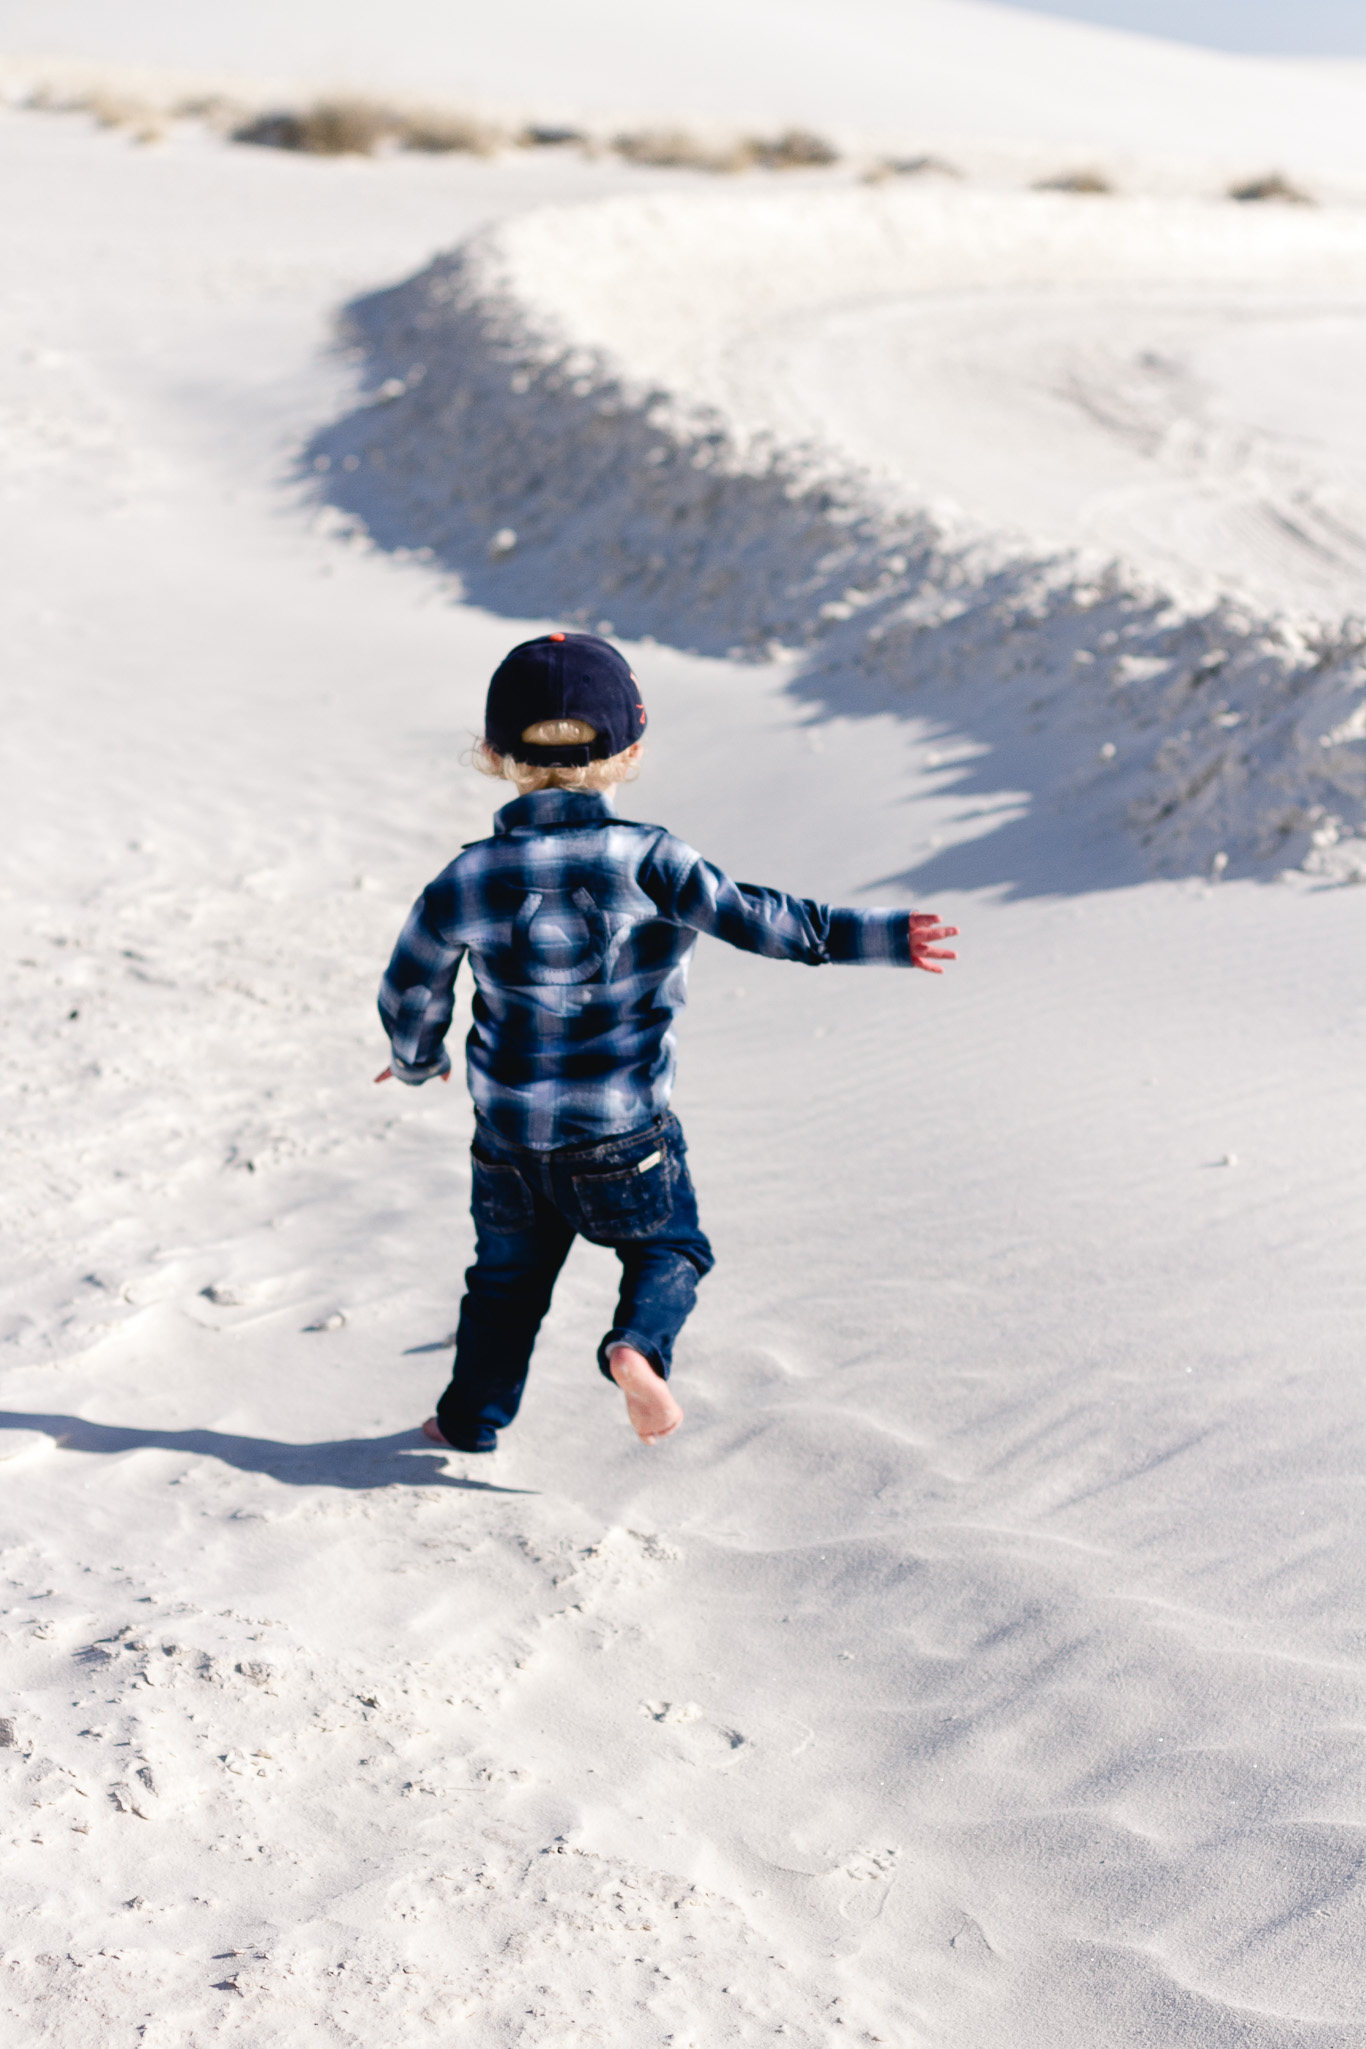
[(579, 926)]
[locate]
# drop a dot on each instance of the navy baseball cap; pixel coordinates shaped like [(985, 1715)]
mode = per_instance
[(563, 676)]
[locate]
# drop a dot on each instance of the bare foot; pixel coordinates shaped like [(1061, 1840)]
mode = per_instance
[(431, 1430), (652, 1409)]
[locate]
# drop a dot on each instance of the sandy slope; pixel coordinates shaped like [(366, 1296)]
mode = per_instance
[(994, 455), (984, 1662)]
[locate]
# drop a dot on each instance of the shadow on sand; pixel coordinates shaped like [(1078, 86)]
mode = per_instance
[(1101, 730), (404, 1459), (702, 562)]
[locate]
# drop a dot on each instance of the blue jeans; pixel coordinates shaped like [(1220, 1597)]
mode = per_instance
[(632, 1193)]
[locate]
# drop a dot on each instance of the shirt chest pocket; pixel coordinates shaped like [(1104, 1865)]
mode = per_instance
[(628, 1202)]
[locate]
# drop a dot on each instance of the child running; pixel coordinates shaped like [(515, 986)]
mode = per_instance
[(579, 926)]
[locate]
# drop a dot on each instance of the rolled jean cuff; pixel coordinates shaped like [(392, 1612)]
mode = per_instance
[(637, 1344)]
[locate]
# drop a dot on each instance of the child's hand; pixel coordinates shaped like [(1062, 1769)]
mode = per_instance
[(387, 1073), (925, 930)]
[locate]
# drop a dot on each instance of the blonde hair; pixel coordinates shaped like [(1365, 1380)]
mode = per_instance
[(529, 776)]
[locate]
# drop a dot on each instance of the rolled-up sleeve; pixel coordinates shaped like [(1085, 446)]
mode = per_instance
[(693, 892), (417, 994)]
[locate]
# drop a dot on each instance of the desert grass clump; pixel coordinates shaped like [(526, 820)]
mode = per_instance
[(216, 111), (547, 136), (143, 119), (436, 131), (796, 149), (1275, 186), (140, 119), (1075, 181), (673, 149), (909, 167), (328, 128), (48, 98)]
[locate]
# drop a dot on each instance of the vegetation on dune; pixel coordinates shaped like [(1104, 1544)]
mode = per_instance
[(796, 149), (342, 125), (436, 131), (909, 167), (357, 127), (543, 136), (1087, 181), (1273, 185), (676, 149)]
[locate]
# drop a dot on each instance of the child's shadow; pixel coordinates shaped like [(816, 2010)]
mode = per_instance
[(404, 1459)]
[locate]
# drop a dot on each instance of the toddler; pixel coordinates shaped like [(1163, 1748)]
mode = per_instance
[(579, 927)]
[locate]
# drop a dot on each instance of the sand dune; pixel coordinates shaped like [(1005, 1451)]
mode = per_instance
[(734, 422)]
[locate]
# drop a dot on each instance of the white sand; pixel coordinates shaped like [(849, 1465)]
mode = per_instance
[(1176, 383), (982, 1665), (1036, 463)]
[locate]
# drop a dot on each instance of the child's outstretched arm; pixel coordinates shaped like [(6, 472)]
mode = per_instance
[(417, 995), (693, 892)]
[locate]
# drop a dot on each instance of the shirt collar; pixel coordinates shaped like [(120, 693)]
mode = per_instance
[(544, 810)]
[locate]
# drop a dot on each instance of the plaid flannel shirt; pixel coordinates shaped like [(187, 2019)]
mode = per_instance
[(580, 926)]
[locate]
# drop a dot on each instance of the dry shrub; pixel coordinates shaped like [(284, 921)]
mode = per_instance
[(138, 118), (675, 150), (213, 109), (1275, 186), (146, 120), (909, 167), (538, 137), (796, 149), (436, 130), (142, 119), (1075, 181), (335, 128), (277, 130), (329, 128), (49, 98)]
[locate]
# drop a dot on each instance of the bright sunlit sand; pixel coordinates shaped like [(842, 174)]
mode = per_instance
[(981, 1663)]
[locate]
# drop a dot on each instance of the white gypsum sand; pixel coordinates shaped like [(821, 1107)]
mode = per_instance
[(735, 420), (982, 1663)]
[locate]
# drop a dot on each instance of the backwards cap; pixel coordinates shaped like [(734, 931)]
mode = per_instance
[(563, 676)]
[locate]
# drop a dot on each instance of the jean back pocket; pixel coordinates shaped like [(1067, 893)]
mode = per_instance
[(626, 1202), (499, 1198)]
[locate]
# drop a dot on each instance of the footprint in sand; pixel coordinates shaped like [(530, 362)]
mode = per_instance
[(700, 1738)]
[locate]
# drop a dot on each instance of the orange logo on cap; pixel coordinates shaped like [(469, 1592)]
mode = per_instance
[(556, 636)]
